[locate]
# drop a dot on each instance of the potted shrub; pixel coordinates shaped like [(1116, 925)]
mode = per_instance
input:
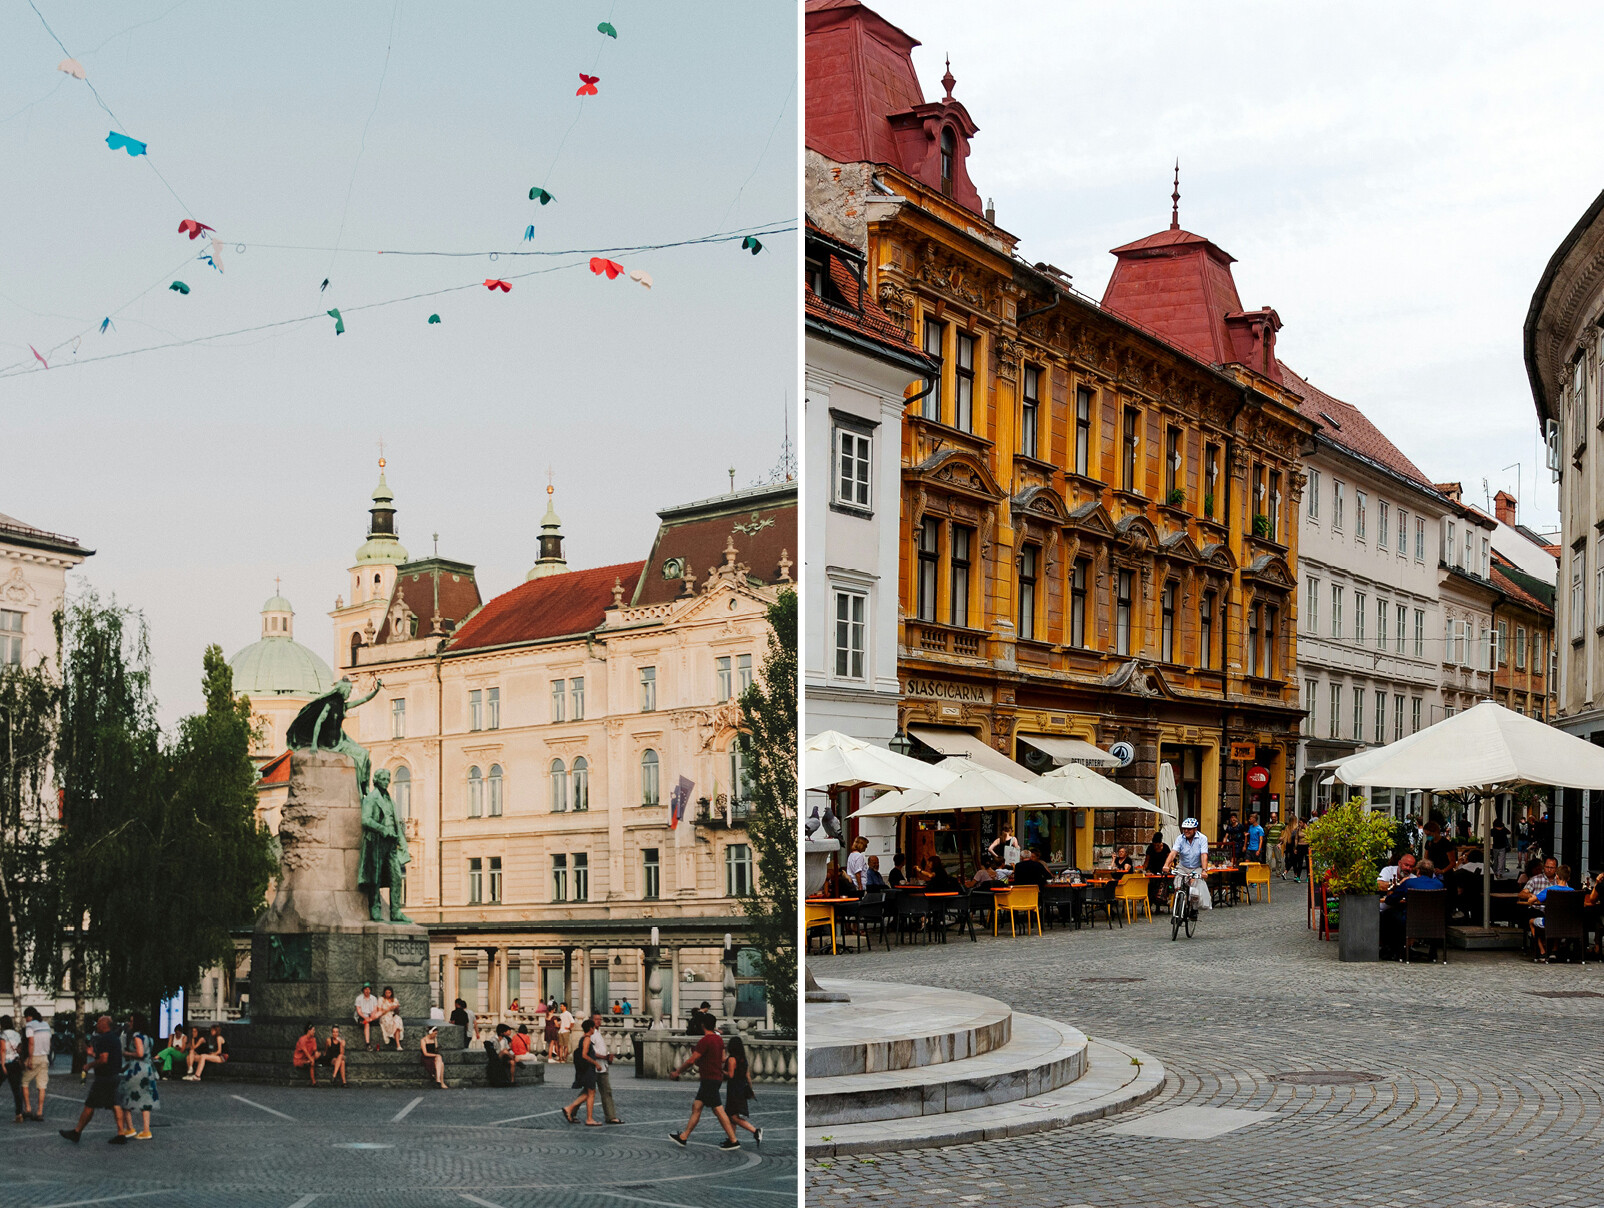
[(1176, 498), (1208, 504), (1350, 841), (1261, 527)]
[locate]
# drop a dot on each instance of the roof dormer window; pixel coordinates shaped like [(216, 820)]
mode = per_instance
[(948, 146)]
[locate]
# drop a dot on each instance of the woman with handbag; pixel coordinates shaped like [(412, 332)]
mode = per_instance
[(740, 1093)]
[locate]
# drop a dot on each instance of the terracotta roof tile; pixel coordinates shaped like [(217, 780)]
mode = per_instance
[(697, 534), (1516, 592), (1352, 430), (561, 605), (848, 311)]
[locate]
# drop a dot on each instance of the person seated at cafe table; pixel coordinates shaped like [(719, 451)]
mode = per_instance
[(899, 870), (1031, 869), (1538, 881), (872, 880), (1395, 874), (1122, 860), (986, 874), (1395, 905), (942, 881), (1157, 852), (1560, 884)]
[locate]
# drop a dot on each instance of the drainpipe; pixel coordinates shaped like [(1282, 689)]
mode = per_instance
[(439, 790)]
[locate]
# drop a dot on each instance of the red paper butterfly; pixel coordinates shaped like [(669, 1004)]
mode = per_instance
[(497, 283), (192, 228), (611, 267), (588, 88)]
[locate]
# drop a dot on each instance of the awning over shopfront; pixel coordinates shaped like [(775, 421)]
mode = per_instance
[(1063, 749), (969, 745)]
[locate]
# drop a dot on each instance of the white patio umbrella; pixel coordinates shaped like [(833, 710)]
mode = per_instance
[(971, 787), (1086, 789), (834, 759), (1169, 803), (1482, 752)]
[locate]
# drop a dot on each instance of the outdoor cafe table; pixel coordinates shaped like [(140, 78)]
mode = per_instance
[(835, 913)]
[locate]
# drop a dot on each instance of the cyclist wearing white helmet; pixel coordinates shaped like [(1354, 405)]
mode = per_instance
[(1191, 852)]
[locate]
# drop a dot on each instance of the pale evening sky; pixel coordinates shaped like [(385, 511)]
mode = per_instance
[(1392, 178), (202, 472)]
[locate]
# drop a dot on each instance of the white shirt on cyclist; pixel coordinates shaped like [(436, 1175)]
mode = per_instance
[(1191, 853)]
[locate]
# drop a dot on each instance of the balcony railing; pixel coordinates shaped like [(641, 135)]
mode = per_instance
[(927, 637), (722, 813)]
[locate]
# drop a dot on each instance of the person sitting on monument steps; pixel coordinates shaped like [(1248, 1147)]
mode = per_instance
[(334, 1055), (367, 1014), (384, 851), (305, 1054), (214, 1052), (320, 726), (504, 1053), (433, 1063), (390, 1018)]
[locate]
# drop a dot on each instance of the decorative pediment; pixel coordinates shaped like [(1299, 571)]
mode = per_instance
[(1092, 517), (1137, 678), (1040, 503), (1270, 570), (1217, 556), (1179, 547), (1136, 533), (958, 470)]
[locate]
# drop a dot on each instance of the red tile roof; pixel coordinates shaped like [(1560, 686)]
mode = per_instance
[(560, 605), (1518, 593), (697, 534), (1352, 430), (861, 316), (414, 586), (1179, 286)]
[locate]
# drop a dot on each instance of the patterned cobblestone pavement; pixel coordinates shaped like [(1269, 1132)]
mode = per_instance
[(1487, 1093), (232, 1145)]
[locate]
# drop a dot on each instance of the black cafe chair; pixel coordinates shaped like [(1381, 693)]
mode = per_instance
[(1562, 922), (1426, 918)]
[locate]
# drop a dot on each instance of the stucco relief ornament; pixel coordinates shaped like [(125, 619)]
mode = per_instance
[(1007, 353), (896, 302), (754, 526)]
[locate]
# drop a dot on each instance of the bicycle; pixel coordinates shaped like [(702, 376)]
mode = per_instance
[(1182, 912)]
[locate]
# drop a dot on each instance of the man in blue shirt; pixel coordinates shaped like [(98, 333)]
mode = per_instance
[(1396, 903), (1191, 853), (1561, 883), (1256, 841)]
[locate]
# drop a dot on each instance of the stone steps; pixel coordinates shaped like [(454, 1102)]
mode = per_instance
[(883, 1028), (1040, 1056), (1116, 1079), (462, 1068)]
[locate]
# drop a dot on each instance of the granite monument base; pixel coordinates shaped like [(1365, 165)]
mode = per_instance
[(301, 975)]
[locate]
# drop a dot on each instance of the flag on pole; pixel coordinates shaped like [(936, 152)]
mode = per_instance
[(678, 800)]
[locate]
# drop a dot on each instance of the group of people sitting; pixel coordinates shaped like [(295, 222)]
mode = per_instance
[(309, 1054)]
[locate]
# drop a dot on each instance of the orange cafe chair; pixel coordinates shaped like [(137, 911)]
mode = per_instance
[(1132, 890), (822, 917), (1021, 899), (1259, 874)]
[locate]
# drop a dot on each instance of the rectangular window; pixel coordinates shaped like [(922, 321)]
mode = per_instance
[(1205, 618), (1077, 604), (1359, 513), (1520, 646), (1275, 506), (1272, 624), (1598, 576), (495, 880), (493, 708), (1401, 616), (1382, 538), (1336, 711), (1469, 562), (559, 699), (1029, 403), (1128, 444), (1172, 462), (1485, 551), (1027, 593), (1336, 505), (1313, 620), (1503, 643), (1083, 431), (1420, 634), (929, 563), (648, 689), (1167, 630), (1381, 624), (476, 710), (1253, 642), (651, 873), (1420, 539), (581, 877), (1311, 699), (1397, 718), (1450, 543), (1381, 718), (851, 629), (854, 453), (1122, 612), (576, 698), (1414, 715), (964, 382), (559, 878), (1358, 732), (738, 870), (931, 408), (1336, 612), (1403, 531), (1211, 477), (1314, 494), (958, 596), (476, 881), (10, 638), (398, 718), (724, 676), (743, 674), (1578, 595), (1359, 617)]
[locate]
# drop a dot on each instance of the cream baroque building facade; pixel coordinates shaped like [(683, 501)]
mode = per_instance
[(33, 583), (565, 753)]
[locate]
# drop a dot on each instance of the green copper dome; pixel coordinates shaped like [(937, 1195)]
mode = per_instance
[(278, 665), (277, 604)]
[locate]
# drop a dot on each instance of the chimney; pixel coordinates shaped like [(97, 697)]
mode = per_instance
[(1504, 508)]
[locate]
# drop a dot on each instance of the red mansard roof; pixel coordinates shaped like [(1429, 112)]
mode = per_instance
[(1179, 286), (570, 603)]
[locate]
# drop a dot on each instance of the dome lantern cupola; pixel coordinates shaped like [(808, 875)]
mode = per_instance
[(382, 545), (551, 560)]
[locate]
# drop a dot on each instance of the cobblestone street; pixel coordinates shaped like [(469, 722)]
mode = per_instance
[(1487, 1092), (274, 1147)]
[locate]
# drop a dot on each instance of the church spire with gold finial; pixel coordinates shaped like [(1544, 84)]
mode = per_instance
[(551, 560), (1175, 199)]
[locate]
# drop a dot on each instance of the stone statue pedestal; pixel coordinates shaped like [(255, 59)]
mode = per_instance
[(315, 945)]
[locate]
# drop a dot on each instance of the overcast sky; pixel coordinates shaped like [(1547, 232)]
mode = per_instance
[(1392, 178), (201, 473)]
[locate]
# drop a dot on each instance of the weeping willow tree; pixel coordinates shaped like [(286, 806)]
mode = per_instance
[(28, 701), (158, 852), (768, 752)]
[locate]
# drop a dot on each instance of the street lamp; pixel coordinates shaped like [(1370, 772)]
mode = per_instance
[(899, 743)]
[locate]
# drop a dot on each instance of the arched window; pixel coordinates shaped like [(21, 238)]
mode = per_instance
[(648, 778), (356, 644), (559, 786), (476, 793), (495, 790), (401, 792), (948, 146), (581, 784)]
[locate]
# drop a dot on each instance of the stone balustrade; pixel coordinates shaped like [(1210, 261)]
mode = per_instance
[(661, 1053)]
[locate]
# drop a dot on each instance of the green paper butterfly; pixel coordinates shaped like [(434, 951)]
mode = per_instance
[(606, 27), (339, 323), (179, 286), (540, 195), (752, 244)]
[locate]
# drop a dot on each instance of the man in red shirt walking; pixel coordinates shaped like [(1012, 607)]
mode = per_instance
[(708, 1057)]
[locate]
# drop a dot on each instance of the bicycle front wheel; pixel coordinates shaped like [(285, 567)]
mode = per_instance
[(1191, 922)]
